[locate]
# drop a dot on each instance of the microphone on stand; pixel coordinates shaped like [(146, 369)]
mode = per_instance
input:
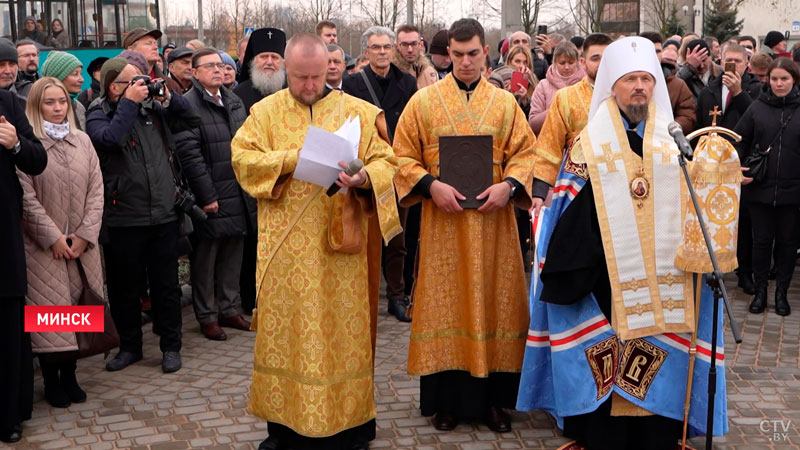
[(675, 130), (352, 169)]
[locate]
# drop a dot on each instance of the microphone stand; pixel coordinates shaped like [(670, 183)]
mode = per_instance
[(715, 282)]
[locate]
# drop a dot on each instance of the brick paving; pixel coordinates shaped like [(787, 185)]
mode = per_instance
[(204, 404)]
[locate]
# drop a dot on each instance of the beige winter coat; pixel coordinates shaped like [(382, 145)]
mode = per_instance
[(68, 192)]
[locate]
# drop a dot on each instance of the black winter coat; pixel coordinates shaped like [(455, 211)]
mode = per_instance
[(205, 154), (759, 127), (402, 86), (248, 94), (31, 159), (130, 141), (711, 96)]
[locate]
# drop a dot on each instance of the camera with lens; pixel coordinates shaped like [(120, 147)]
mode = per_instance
[(155, 88), (184, 201)]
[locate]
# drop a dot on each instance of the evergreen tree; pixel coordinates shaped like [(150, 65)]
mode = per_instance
[(720, 21), (673, 23)]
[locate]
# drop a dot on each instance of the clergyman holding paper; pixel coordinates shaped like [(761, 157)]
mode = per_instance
[(318, 260)]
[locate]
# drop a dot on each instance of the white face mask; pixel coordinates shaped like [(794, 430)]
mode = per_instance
[(57, 131)]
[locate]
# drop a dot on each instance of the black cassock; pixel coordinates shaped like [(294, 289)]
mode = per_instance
[(575, 266)]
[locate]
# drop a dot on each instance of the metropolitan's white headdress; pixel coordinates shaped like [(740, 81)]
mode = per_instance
[(630, 54)]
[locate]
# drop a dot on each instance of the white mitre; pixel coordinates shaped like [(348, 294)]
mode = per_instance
[(630, 54)]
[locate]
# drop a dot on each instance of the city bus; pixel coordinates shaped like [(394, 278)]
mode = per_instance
[(95, 27)]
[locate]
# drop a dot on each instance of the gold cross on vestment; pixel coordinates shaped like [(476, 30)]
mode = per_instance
[(610, 157), (715, 113), (665, 151)]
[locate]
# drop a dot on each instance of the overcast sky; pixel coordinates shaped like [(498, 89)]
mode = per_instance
[(179, 10)]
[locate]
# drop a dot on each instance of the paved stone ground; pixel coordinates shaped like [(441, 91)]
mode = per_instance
[(204, 404)]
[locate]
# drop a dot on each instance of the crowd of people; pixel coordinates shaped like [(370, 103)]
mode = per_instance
[(188, 151)]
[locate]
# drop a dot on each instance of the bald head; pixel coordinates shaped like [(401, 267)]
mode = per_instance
[(305, 46), (306, 60)]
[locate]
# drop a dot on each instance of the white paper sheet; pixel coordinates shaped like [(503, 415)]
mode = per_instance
[(322, 151)]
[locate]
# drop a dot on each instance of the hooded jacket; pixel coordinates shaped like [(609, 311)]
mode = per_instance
[(544, 93), (759, 128), (683, 104)]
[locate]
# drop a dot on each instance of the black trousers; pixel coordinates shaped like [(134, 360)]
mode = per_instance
[(598, 430), (343, 440), (16, 374), (130, 251), (779, 224), (744, 244), (394, 256), (412, 242), (458, 392), (247, 277), (524, 230)]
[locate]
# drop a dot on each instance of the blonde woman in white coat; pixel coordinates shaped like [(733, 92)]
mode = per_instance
[(62, 212)]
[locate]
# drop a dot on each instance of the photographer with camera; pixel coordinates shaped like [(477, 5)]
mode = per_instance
[(131, 126), (205, 153)]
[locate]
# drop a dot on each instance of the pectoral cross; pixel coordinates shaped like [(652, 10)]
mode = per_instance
[(610, 157), (715, 113), (269, 34)]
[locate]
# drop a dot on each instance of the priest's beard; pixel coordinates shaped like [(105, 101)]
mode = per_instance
[(636, 113), (267, 83)]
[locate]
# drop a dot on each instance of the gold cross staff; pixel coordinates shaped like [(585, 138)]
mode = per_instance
[(715, 113)]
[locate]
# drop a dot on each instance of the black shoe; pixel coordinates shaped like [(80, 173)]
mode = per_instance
[(498, 420), (270, 443), (781, 303), (12, 435), (123, 360), (445, 421), (53, 392), (746, 283), (759, 303), (360, 446), (171, 362), (70, 383), (399, 308)]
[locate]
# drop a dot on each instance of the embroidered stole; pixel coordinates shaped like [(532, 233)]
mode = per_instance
[(640, 216)]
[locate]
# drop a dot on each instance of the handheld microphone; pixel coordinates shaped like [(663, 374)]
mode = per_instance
[(675, 130), (352, 168)]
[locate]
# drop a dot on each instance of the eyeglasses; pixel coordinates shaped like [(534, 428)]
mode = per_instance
[(219, 66), (28, 55), (408, 44), (377, 48)]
